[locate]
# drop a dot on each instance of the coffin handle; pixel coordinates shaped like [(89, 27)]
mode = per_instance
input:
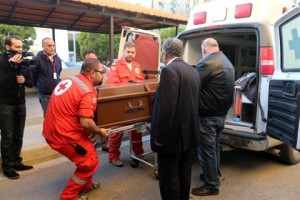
[(130, 108)]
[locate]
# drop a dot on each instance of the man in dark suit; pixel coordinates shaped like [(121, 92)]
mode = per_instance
[(174, 124)]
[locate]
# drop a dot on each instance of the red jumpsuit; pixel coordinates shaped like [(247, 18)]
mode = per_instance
[(73, 97), (120, 73)]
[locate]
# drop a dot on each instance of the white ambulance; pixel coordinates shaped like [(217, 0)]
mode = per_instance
[(265, 52)]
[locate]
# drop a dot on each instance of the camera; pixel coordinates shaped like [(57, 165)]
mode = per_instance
[(25, 61)]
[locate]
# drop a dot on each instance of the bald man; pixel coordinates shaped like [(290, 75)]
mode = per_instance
[(215, 98)]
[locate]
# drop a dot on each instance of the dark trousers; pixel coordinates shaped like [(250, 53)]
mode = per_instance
[(12, 122), (174, 171)]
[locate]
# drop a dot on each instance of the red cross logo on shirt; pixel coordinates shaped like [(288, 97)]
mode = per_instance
[(62, 87)]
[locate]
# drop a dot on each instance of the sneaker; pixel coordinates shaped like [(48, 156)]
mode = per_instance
[(116, 162), (82, 196), (11, 174), (94, 186), (22, 167)]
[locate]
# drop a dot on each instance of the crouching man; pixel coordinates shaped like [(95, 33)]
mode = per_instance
[(69, 122)]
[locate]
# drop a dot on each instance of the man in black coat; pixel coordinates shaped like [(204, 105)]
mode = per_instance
[(215, 98), (174, 123), (14, 76)]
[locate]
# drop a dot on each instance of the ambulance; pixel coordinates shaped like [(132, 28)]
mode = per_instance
[(262, 40)]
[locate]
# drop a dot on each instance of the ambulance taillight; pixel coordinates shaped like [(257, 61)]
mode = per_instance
[(266, 61), (243, 10), (199, 18)]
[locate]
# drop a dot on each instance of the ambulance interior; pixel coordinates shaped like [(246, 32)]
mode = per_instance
[(241, 50)]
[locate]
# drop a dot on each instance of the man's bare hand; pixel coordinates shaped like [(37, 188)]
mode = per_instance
[(104, 132)]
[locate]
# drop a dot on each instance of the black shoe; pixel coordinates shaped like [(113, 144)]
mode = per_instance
[(106, 149), (22, 167), (11, 174)]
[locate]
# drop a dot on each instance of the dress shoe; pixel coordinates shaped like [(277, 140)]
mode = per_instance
[(22, 167), (203, 191), (11, 174), (116, 162)]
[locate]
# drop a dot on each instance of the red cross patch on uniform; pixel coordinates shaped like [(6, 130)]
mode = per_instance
[(63, 86)]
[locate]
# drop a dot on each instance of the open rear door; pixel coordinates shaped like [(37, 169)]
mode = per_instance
[(284, 89), (147, 49)]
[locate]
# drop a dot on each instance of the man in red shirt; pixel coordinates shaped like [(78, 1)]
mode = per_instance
[(124, 70), (69, 122)]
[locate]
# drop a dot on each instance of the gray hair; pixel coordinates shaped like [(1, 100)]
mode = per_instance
[(173, 47)]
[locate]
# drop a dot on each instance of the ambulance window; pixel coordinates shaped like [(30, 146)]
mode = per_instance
[(290, 44), (130, 37)]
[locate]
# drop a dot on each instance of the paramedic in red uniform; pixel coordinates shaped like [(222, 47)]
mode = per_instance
[(69, 122), (124, 70)]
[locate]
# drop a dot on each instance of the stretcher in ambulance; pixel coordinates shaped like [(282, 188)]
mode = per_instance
[(265, 113)]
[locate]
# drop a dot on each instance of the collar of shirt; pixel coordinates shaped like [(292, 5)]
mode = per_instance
[(50, 57), (171, 60)]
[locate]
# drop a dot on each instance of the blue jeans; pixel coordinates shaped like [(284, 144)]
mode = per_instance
[(44, 100), (12, 122), (209, 150)]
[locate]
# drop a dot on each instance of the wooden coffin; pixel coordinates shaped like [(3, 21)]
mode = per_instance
[(124, 104)]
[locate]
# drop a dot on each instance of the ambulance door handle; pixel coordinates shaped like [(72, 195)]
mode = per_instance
[(289, 88)]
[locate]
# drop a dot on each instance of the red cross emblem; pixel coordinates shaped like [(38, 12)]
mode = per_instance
[(62, 87)]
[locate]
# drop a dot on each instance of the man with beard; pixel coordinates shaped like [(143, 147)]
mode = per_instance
[(69, 122), (125, 70)]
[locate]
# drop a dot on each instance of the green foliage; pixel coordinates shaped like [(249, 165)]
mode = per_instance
[(170, 32), (27, 35), (98, 42)]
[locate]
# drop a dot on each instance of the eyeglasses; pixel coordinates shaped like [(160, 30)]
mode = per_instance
[(101, 72)]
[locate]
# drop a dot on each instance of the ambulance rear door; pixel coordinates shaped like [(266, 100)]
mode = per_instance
[(284, 88)]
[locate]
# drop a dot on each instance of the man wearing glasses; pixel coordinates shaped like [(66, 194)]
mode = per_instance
[(125, 70), (69, 122)]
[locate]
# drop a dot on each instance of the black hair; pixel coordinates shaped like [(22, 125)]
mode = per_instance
[(89, 64), (88, 51), (8, 39)]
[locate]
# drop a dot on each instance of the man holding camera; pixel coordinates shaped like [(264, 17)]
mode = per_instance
[(14, 75)]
